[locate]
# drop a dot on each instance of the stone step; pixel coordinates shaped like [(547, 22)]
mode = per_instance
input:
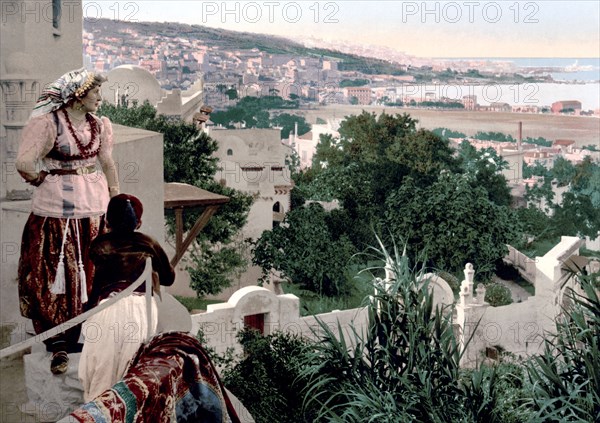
[(51, 397)]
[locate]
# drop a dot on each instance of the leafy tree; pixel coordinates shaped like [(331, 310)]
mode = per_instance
[(534, 223), (540, 192), (231, 94), (288, 122), (484, 169), (578, 213), (473, 73), (423, 155), (442, 104), (586, 178), (267, 102), (537, 169), (448, 133), (353, 83), (384, 149), (563, 171), (494, 136), (467, 153), (577, 216), (567, 110), (538, 141), (306, 251), (188, 159), (138, 116), (253, 112), (451, 222), (369, 160), (353, 100), (249, 118)]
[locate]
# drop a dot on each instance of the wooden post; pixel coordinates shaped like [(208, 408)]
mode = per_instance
[(178, 229), (198, 226)]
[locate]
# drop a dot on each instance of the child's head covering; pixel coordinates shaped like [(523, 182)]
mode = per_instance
[(124, 212)]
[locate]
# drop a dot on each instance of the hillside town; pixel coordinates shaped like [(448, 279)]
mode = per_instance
[(178, 60)]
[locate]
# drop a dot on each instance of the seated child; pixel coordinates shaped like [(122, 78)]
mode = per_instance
[(113, 336)]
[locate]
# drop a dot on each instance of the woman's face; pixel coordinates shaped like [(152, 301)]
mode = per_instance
[(92, 100)]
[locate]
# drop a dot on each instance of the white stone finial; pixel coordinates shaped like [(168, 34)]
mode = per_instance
[(469, 272), (463, 295)]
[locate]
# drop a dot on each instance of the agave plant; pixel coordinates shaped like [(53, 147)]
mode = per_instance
[(403, 367), (566, 377)]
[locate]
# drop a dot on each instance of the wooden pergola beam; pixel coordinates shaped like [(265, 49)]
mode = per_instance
[(182, 246), (180, 196)]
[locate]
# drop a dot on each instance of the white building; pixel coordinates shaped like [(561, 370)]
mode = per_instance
[(306, 145), (253, 161)]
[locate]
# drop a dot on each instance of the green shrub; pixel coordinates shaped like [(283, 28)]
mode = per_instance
[(195, 303), (512, 391), (452, 280), (497, 295), (265, 379)]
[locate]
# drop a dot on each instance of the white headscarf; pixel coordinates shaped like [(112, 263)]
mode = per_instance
[(57, 94)]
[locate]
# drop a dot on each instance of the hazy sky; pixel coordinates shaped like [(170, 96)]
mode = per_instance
[(420, 28)]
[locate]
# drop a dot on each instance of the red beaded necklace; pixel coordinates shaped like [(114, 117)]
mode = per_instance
[(86, 151)]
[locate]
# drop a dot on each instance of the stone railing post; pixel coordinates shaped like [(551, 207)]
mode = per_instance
[(469, 311), (480, 299), (467, 284)]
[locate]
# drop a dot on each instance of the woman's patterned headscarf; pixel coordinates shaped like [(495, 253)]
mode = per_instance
[(57, 94)]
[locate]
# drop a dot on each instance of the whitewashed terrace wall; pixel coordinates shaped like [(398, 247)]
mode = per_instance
[(222, 322), (518, 328), (592, 244), (524, 264)]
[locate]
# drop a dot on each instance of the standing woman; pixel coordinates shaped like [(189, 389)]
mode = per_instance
[(60, 148)]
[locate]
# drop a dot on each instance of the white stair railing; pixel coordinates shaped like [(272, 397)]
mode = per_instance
[(146, 276)]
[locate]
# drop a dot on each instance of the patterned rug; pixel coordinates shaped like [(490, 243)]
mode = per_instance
[(171, 379)]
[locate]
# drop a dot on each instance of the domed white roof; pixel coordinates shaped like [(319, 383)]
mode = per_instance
[(136, 81)]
